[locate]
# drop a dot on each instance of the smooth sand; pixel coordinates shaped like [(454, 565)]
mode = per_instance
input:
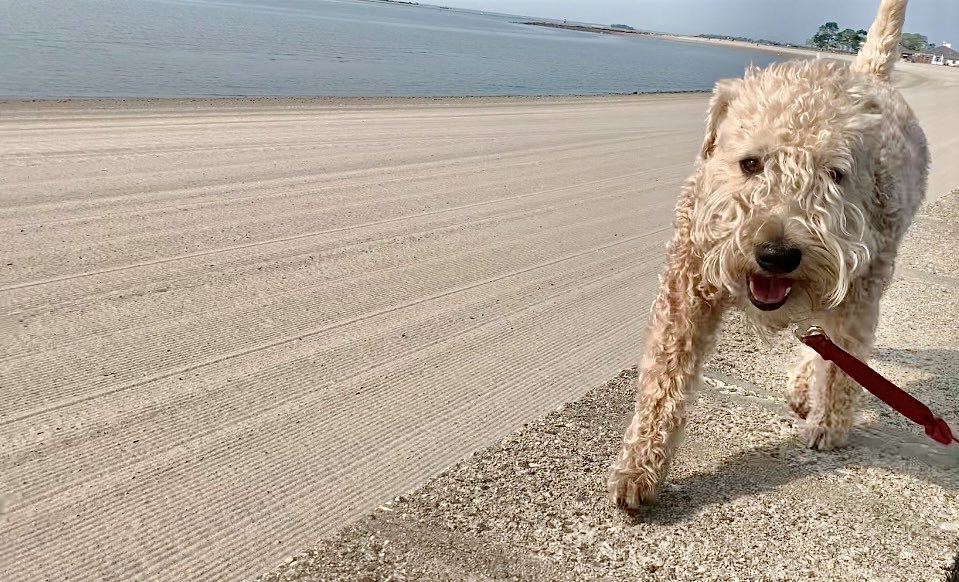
[(231, 327)]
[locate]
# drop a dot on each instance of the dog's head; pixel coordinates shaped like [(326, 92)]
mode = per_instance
[(785, 188)]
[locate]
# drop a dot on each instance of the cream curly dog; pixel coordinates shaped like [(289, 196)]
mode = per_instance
[(809, 175)]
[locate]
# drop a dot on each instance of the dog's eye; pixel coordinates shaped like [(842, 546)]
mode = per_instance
[(836, 175), (751, 166)]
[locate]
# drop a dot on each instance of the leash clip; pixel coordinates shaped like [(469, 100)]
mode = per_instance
[(811, 331)]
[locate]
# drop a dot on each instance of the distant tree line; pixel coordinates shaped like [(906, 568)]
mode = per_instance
[(830, 37), (916, 42)]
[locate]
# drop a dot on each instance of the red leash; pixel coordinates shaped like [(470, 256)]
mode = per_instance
[(897, 398)]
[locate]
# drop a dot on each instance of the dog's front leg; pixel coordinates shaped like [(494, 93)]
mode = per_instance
[(833, 396), (682, 328)]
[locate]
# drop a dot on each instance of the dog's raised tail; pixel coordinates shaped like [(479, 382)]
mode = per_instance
[(881, 50)]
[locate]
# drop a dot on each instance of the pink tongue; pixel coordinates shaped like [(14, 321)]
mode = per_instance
[(769, 289)]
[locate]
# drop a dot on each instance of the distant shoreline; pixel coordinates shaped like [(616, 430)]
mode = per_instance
[(780, 49), (767, 48), (9, 104), (587, 27)]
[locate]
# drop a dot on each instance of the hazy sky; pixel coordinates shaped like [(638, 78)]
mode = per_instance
[(789, 21)]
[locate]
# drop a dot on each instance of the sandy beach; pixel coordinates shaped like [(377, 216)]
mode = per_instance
[(231, 327), (779, 50)]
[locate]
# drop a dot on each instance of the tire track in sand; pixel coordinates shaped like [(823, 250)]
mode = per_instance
[(300, 392)]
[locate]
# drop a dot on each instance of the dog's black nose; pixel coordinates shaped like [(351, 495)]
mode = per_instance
[(777, 257)]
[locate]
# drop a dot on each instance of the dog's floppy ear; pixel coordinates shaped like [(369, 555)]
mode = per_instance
[(724, 92)]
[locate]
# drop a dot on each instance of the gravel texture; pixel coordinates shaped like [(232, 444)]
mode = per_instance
[(745, 499)]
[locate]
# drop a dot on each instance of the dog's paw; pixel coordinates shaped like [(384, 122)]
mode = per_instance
[(823, 438), (631, 488)]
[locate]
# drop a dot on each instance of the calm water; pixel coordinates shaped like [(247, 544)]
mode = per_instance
[(165, 48)]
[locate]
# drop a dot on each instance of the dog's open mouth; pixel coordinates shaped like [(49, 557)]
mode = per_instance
[(769, 293)]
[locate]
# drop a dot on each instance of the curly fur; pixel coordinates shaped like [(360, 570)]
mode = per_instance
[(805, 120)]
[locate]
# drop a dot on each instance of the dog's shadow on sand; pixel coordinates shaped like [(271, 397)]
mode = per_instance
[(899, 447), (941, 364), (762, 470)]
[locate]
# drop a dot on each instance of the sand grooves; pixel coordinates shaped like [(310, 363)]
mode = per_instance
[(236, 328), (229, 328)]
